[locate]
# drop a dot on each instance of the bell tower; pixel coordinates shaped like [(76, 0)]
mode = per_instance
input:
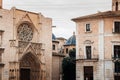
[(0, 4), (115, 5)]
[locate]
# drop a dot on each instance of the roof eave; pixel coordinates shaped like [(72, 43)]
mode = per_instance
[(97, 17)]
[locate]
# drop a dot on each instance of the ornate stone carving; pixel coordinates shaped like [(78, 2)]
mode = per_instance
[(24, 46), (88, 42), (25, 32)]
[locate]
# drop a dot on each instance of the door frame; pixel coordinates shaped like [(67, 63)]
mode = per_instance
[(25, 68), (88, 73)]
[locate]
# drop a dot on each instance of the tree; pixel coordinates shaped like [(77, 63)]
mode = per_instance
[(69, 66)]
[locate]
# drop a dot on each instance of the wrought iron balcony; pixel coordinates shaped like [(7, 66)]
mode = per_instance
[(115, 59), (91, 58)]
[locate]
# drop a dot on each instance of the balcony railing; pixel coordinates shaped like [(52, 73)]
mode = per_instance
[(116, 60), (92, 58)]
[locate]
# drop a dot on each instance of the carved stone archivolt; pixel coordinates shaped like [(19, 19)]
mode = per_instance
[(32, 63), (30, 55), (25, 47)]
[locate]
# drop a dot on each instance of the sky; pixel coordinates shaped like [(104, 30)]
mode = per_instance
[(61, 11)]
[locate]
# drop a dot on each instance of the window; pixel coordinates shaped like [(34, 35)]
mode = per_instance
[(25, 32), (116, 6), (53, 47), (66, 50), (73, 48), (117, 51), (88, 52), (117, 55), (117, 67), (117, 27), (87, 27), (1, 35)]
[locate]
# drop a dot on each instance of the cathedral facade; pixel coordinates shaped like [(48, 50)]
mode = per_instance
[(25, 45)]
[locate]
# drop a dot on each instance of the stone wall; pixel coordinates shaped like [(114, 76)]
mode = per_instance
[(9, 22)]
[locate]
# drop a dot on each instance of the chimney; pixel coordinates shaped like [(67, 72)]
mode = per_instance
[(0, 4)]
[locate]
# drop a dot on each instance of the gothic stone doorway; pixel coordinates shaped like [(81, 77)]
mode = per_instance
[(88, 72), (24, 74), (29, 67)]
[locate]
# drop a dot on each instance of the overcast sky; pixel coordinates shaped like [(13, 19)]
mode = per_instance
[(61, 11)]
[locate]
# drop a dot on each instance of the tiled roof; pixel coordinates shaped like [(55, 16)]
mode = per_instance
[(71, 40), (58, 54), (107, 14), (53, 37)]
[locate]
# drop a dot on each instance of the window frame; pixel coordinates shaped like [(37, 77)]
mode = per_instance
[(53, 47), (114, 27), (87, 53), (88, 30), (116, 64), (116, 5), (66, 50)]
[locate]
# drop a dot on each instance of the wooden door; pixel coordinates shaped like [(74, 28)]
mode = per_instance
[(88, 73), (24, 74)]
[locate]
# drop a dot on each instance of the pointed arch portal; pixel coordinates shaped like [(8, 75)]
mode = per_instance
[(29, 67)]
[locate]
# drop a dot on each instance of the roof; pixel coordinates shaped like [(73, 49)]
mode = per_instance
[(106, 14), (61, 38), (71, 40), (53, 37), (55, 41), (57, 54)]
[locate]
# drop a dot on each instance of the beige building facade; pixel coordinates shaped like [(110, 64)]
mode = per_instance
[(98, 45), (25, 45), (60, 50), (57, 57), (70, 44)]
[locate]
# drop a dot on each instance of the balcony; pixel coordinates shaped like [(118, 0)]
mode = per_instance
[(115, 59), (93, 58)]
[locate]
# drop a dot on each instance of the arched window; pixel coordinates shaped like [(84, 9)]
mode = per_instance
[(116, 7)]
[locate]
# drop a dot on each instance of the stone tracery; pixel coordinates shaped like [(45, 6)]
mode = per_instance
[(25, 32)]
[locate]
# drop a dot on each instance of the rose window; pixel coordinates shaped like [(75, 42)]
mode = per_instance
[(25, 32)]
